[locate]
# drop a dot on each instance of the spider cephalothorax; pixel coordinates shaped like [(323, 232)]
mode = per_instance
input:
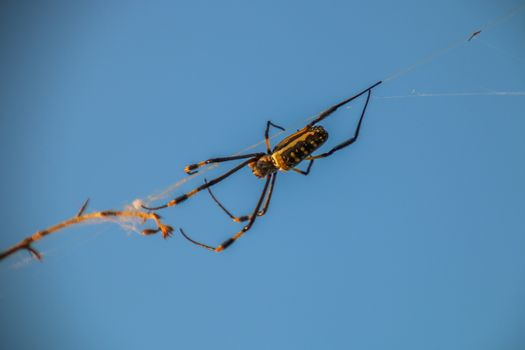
[(263, 166), (285, 156)]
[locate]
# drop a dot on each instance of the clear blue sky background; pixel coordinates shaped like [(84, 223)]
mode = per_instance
[(413, 238)]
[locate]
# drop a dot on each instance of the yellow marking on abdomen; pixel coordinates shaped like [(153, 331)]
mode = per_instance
[(292, 144), (292, 150), (279, 162)]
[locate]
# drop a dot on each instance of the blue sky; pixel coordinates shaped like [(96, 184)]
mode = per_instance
[(411, 238)]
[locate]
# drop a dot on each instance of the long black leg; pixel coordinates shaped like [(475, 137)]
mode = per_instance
[(247, 217), (189, 168), (302, 172), (332, 109), (266, 135), (235, 237), (349, 141), (185, 196)]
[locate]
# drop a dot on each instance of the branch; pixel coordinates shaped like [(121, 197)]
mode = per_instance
[(26, 244)]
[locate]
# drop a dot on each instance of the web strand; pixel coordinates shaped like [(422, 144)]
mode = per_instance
[(457, 43), (128, 218), (454, 94)]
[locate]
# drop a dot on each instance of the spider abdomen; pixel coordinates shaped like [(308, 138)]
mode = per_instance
[(296, 147)]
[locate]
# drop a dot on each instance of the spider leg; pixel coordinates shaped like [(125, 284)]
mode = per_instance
[(266, 133), (189, 169), (332, 109), (302, 172), (350, 140), (185, 196), (247, 217), (245, 229)]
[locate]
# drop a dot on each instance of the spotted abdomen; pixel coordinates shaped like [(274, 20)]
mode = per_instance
[(295, 148)]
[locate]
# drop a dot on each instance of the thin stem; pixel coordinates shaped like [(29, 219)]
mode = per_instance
[(26, 243)]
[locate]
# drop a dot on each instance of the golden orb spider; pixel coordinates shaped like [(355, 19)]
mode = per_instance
[(285, 156)]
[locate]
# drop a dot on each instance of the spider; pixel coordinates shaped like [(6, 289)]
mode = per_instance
[(285, 156)]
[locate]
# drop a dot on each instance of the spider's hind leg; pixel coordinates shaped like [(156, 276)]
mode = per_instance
[(350, 140), (332, 109), (303, 172)]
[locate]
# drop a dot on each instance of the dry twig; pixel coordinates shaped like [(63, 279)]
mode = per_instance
[(26, 243)]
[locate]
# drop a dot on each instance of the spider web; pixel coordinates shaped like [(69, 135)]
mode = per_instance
[(463, 40), (133, 225), (467, 38)]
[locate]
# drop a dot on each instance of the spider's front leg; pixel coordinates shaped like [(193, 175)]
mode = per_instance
[(190, 169), (193, 192), (247, 217), (267, 134), (235, 237)]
